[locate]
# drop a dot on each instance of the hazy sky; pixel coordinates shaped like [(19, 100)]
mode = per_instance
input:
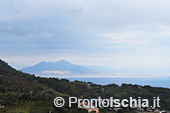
[(122, 34)]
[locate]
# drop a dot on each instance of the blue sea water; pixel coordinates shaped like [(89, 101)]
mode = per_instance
[(155, 82)]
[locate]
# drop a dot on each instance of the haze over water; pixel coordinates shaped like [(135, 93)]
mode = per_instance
[(155, 82)]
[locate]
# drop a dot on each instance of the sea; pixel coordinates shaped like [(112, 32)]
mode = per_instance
[(154, 82)]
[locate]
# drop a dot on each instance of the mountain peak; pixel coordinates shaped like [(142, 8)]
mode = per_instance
[(42, 62), (60, 61), (63, 62)]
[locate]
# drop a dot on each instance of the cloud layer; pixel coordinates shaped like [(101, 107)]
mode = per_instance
[(127, 34)]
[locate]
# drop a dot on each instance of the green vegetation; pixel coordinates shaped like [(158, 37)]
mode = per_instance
[(25, 93)]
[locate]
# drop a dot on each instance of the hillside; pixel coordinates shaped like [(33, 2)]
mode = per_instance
[(21, 91)]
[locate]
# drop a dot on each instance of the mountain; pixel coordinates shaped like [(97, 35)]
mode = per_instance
[(63, 67), (59, 67)]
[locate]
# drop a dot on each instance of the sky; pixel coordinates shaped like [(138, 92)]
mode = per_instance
[(122, 34)]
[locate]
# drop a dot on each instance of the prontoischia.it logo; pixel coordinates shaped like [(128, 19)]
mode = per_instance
[(111, 102)]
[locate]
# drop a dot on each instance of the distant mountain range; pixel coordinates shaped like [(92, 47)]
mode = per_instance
[(60, 67), (63, 67)]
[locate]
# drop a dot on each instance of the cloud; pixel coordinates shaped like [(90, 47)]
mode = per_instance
[(40, 35), (132, 37), (139, 37), (164, 32)]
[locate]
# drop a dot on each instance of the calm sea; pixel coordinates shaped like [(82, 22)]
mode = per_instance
[(155, 82)]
